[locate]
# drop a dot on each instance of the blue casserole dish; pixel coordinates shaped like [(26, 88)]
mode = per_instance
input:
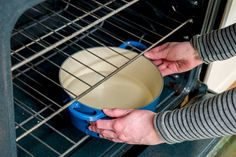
[(137, 86)]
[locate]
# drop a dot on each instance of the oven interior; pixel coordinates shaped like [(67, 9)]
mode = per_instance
[(48, 33)]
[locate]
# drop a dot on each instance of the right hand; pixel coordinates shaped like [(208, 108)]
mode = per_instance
[(174, 57), (128, 126)]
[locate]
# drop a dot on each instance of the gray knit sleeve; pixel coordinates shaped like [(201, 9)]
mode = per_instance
[(217, 45), (212, 117)]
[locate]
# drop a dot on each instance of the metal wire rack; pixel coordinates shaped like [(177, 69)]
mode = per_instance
[(43, 38)]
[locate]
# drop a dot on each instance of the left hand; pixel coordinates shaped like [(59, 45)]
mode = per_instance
[(174, 57), (129, 126)]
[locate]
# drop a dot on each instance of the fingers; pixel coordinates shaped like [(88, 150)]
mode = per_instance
[(105, 130), (105, 124), (168, 68), (116, 112), (157, 52), (164, 67), (94, 128), (108, 134), (109, 126), (157, 62), (117, 141), (164, 46), (166, 72)]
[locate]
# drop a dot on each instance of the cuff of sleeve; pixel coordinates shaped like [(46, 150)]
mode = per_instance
[(159, 125), (195, 44)]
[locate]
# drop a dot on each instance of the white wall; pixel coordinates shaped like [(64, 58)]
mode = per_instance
[(220, 75)]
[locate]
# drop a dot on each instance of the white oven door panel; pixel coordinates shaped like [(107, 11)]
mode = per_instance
[(220, 75)]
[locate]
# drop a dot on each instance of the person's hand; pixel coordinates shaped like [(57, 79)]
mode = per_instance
[(174, 57), (128, 126)]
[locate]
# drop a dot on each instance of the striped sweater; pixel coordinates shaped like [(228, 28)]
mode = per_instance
[(211, 117)]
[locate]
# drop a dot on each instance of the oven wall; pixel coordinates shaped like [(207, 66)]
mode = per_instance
[(10, 10)]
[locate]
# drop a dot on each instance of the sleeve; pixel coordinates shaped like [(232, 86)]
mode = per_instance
[(208, 118), (217, 45)]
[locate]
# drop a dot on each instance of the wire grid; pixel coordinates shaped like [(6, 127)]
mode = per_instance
[(49, 35)]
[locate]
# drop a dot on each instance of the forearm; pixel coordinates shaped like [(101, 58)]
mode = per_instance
[(213, 117), (217, 45)]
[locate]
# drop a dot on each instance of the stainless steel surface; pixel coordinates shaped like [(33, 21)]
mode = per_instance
[(61, 30)]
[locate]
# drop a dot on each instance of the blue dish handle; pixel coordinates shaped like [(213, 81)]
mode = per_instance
[(133, 43), (85, 112)]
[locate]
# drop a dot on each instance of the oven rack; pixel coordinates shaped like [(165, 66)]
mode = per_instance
[(79, 29), (46, 39)]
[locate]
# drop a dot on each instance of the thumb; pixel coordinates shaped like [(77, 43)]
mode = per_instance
[(158, 52), (116, 112)]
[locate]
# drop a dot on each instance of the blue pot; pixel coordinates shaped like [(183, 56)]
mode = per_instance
[(82, 114)]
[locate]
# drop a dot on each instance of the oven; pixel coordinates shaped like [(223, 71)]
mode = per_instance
[(38, 36)]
